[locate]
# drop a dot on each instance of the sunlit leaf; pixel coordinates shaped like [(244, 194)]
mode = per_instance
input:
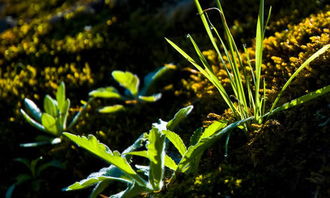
[(191, 158), (176, 141), (31, 121), (178, 117), (156, 155), (111, 109), (50, 106), (60, 97), (128, 80), (33, 109), (49, 122), (152, 98), (213, 128), (105, 92), (91, 144)]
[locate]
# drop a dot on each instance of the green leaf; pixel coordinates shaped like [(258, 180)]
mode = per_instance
[(64, 115), (191, 158), (50, 106), (111, 109), (151, 78), (169, 162), (301, 100), (92, 181), (305, 64), (99, 188), (49, 122), (31, 121), (152, 98), (176, 141), (60, 97), (214, 127), (33, 109), (127, 80), (91, 144), (156, 155), (178, 117), (105, 92)]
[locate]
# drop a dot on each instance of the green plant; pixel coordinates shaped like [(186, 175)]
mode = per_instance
[(33, 176), (121, 168), (132, 92), (54, 120), (248, 89)]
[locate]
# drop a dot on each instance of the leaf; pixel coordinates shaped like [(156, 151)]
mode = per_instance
[(191, 158), (151, 78), (33, 109), (214, 127), (49, 122), (305, 64), (178, 117), (105, 92), (152, 98), (169, 162), (53, 163), (60, 97), (176, 141), (127, 80), (91, 144), (10, 190), (92, 181), (50, 106), (156, 155), (111, 109), (301, 100), (31, 121), (64, 115), (103, 175)]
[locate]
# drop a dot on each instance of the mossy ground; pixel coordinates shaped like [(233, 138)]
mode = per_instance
[(81, 42)]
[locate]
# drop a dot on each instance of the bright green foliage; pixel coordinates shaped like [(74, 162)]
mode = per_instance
[(54, 120), (121, 169), (131, 83), (250, 96)]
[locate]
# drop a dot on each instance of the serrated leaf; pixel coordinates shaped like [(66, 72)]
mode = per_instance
[(50, 106), (31, 121), (33, 109), (111, 109), (91, 144), (178, 117), (49, 122), (105, 92), (156, 155), (152, 98), (214, 127), (60, 97), (127, 80), (176, 140)]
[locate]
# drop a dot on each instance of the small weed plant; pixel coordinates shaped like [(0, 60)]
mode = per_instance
[(133, 93), (249, 89)]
